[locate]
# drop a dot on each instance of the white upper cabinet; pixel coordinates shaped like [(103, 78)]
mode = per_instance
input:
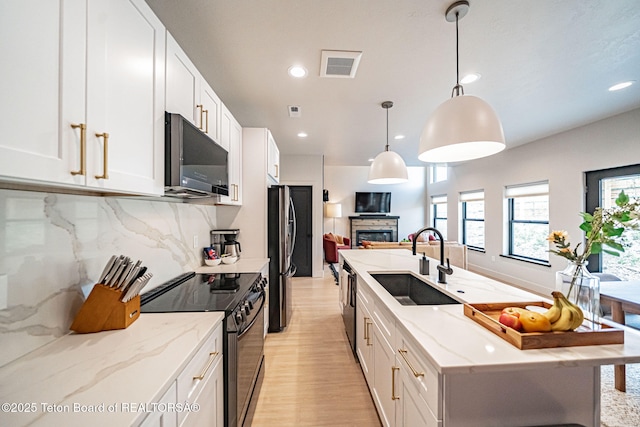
[(231, 136), (273, 160), (85, 104), (189, 95), (38, 60)]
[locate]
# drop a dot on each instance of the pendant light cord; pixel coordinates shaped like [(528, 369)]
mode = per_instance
[(457, 89), (386, 148)]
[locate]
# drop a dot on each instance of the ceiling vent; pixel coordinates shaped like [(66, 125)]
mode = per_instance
[(339, 63), (294, 111)]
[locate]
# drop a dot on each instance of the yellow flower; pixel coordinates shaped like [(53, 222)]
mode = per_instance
[(565, 250), (558, 235)]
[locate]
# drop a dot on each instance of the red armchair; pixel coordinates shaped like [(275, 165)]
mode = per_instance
[(331, 246)]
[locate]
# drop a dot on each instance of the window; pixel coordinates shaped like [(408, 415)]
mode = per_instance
[(528, 207), (473, 219), (438, 173), (439, 208), (603, 187)]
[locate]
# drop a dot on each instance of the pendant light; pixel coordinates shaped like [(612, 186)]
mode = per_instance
[(464, 127), (388, 167)]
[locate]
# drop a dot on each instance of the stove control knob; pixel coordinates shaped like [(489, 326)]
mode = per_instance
[(239, 317), (247, 308), (250, 304)]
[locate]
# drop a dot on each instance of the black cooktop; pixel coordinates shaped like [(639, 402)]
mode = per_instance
[(199, 292)]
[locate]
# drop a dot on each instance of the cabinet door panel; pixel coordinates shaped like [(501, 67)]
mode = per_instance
[(384, 360), (38, 60), (125, 70), (412, 410), (212, 105), (182, 83), (210, 401)]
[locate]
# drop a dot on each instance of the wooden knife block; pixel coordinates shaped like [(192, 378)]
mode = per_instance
[(103, 311)]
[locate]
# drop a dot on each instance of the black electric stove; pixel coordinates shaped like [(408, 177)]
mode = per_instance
[(193, 292)]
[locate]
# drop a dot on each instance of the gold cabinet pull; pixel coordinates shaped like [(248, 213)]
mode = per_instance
[(235, 192), (369, 323), (276, 166), (201, 107), (105, 160), (403, 353), (83, 147), (206, 129), (393, 382), (212, 357), (366, 330)]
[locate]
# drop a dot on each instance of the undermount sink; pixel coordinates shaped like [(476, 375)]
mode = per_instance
[(409, 290)]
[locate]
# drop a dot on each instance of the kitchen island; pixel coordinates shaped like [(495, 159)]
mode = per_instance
[(470, 376)]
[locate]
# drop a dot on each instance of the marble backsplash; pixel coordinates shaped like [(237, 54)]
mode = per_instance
[(52, 244)]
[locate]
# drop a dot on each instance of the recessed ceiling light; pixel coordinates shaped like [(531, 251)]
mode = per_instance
[(302, 135), (297, 71), (622, 85), (470, 78), (371, 159), (398, 137)]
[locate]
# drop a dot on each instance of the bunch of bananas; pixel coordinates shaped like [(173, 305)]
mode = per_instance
[(563, 314)]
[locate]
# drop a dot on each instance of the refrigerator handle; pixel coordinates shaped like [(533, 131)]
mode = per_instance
[(295, 226)]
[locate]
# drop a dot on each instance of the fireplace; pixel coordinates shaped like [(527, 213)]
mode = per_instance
[(374, 228), (374, 236)]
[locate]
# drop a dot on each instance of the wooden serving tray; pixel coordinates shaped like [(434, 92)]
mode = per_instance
[(487, 315)]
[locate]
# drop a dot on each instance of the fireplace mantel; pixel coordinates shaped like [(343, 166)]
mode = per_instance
[(383, 225)]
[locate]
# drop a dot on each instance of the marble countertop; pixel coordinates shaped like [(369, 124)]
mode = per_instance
[(243, 265), (457, 344), (60, 382)]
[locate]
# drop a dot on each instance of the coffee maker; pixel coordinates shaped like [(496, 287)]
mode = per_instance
[(224, 242)]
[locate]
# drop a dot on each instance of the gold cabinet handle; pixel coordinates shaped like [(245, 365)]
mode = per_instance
[(366, 329), (393, 382), (83, 147), (236, 190), (201, 107), (212, 357), (206, 130), (369, 323), (403, 353), (276, 166), (105, 159)]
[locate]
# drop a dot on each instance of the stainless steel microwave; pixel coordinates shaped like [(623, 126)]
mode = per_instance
[(194, 164)]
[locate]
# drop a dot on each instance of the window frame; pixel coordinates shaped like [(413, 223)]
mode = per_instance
[(435, 201), (520, 191), (472, 196)]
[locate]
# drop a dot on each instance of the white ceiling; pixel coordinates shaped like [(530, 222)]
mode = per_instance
[(546, 65)]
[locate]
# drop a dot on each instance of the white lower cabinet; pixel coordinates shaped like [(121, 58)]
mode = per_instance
[(199, 387), (201, 382), (163, 418), (364, 339), (406, 388)]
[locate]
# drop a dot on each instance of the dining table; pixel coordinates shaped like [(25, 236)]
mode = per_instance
[(623, 296)]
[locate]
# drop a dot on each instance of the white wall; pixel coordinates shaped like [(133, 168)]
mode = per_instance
[(307, 170), (408, 200), (561, 159)]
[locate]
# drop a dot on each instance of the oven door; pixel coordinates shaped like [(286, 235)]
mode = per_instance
[(250, 353)]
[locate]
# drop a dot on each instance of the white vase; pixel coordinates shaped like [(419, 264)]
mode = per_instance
[(581, 288)]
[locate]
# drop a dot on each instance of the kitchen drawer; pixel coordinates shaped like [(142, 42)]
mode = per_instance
[(385, 322), (428, 383), (364, 294), (198, 371)]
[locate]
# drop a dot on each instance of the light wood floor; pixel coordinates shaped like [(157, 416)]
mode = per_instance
[(312, 377)]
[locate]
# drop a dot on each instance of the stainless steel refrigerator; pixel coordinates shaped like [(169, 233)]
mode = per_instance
[(281, 231)]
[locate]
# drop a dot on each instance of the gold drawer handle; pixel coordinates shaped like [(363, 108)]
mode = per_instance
[(369, 323), (83, 147), (206, 130), (212, 357), (276, 166), (393, 382), (415, 373), (105, 159)]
